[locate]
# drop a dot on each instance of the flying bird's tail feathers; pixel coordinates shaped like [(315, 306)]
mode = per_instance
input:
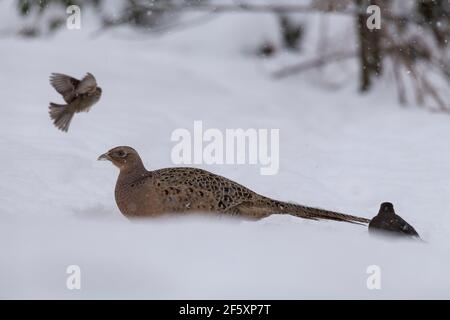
[(60, 115)]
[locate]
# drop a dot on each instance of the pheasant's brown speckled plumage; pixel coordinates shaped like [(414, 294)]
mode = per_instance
[(182, 190)]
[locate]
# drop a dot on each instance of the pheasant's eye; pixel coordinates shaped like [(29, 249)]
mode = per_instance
[(121, 154)]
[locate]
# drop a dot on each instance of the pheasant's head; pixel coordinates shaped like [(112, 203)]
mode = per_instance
[(123, 157)]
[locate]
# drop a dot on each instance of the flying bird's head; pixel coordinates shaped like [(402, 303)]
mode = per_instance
[(123, 157), (386, 208), (94, 96), (98, 92)]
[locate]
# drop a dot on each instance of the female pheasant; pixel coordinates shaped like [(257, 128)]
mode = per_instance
[(142, 193)]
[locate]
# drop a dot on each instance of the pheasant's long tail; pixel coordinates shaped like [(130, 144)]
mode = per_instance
[(315, 213), (61, 116)]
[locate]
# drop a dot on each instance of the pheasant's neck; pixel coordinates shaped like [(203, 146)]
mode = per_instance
[(132, 173), (125, 191)]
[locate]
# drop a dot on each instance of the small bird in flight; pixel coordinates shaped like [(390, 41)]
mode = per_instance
[(80, 96), (388, 223)]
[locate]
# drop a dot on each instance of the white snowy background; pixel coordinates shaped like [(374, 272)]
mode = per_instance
[(338, 150)]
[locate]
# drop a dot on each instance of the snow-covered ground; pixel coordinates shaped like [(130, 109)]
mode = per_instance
[(338, 150)]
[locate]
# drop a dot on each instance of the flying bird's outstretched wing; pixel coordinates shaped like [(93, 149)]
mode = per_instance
[(87, 85), (65, 85)]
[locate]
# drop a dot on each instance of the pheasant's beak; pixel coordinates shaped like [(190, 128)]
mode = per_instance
[(104, 157)]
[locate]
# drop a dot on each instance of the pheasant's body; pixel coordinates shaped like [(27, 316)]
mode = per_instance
[(178, 190), (184, 190)]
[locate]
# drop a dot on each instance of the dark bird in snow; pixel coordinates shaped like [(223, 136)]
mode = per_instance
[(388, 223)]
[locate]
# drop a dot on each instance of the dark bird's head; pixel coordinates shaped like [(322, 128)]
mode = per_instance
[(386, 208), (123, 157)]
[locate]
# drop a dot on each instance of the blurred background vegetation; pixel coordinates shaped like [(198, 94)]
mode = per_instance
[(414, 37)]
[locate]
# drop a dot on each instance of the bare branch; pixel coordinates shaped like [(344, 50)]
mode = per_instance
[(314, 63), (267, 8)]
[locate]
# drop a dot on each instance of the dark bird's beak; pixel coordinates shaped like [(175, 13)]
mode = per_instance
[(104, 157)]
